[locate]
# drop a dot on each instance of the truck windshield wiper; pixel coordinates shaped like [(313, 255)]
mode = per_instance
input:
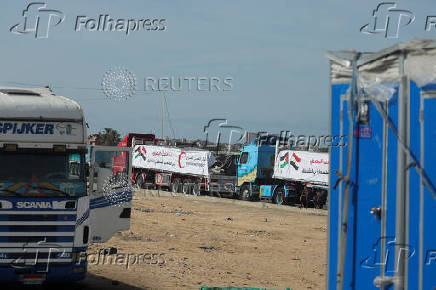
[(13, 193), (53, 190)]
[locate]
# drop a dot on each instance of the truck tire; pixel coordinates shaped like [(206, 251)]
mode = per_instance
[(196, 189), (175, 186), (140, 182), (244, 192), (279, 196), (186, 187)]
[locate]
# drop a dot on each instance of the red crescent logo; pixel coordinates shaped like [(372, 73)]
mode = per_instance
[(180, 159)]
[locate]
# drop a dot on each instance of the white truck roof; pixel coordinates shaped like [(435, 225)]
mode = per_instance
[(38, 116), (37, 103)]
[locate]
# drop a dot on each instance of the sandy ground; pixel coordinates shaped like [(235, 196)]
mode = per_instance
[(187, 242)]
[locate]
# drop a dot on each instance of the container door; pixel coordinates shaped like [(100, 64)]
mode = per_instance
[(367, 235), (370, 240), (110, 192), (382, 209), (427, 222)]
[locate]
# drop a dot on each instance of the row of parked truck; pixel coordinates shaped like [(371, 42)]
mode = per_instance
[(261, 170)]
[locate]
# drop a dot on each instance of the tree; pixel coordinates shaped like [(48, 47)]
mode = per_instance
[(108, 137)]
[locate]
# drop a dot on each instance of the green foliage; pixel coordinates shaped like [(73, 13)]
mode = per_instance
[(108, 137)]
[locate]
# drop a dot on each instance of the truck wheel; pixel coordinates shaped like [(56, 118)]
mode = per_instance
[(186, 187), (244, 193), (140, 182), (279, 196), (175, 186), (196, 189)]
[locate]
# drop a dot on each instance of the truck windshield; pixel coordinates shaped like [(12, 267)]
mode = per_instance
[(42, 174), (244, 158)]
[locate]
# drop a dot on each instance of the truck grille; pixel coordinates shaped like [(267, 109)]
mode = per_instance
[(37, 237)]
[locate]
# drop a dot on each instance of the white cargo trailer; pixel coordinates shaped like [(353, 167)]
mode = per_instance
[(185, 170)]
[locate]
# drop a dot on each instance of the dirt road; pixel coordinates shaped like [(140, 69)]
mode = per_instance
[(186, 242)]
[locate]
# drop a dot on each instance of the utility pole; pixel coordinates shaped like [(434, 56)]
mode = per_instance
[(161, 116)]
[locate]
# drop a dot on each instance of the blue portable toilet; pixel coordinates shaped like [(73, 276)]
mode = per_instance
[(382, 200)]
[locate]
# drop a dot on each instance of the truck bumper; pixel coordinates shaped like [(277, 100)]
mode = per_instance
[(56, 273)]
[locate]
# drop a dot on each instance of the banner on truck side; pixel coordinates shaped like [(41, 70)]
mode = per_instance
[(302, 166), (172, 159)]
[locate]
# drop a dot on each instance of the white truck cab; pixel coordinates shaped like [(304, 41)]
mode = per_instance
[(50, 210)]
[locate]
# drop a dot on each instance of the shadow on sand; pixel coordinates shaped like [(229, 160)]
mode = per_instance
[(92, 282)]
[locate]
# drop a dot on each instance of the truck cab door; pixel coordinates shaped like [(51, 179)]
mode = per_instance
[(247, 165), (110, 192)]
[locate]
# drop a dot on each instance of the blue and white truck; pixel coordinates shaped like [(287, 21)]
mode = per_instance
[(50, 211), (283, 176)]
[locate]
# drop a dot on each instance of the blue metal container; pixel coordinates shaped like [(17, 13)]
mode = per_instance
[(382, 202)]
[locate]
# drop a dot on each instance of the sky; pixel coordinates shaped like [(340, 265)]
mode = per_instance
[(273, 52)]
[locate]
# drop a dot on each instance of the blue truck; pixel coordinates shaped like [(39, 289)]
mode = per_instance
[(282, 176), (382, 185)]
